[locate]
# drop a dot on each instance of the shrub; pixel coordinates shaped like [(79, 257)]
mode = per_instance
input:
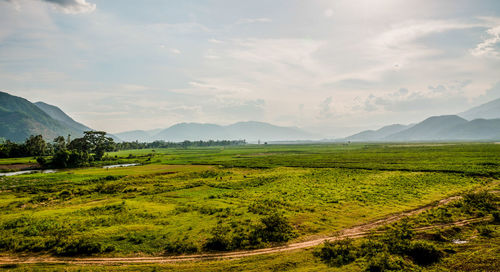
[(81, 246), (274, 228), (179, 247), (485, 231), (385, 262), (481, 201), (66, 158), (496, 216), (372, 247), (424, 253), (337, 253), (398, 237), (219, 241), (42, 161)]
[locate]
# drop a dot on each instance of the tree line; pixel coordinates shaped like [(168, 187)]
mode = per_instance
[(184, 144), (67, 152), (64, 151)]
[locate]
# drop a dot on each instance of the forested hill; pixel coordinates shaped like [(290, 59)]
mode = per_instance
[(19, 118)]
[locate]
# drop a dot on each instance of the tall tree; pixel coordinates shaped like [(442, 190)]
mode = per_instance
[(59, 143), (35, 145), (98, 143)]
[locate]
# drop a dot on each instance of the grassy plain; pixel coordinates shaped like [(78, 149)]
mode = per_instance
[(171, 203)]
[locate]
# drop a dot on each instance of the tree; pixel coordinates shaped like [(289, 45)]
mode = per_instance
[(59, 143), (35, 145), (274, 228), (94, 142), (98, 143)]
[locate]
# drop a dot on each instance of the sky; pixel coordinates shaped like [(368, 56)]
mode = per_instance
[(333, 67)]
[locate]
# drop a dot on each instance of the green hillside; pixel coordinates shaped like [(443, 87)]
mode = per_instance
[(20, 118)]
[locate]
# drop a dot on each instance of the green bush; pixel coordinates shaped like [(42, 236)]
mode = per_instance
[(81, 246), (398, 237), (337, 253), (372, 246), (220, 240), (424, 253), (479, 202), (73, 158), (386, 262), (180, 247), (496, 216), (274, 228), (485, 231)]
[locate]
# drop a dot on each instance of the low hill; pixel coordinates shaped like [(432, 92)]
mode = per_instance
[(254, 131), (478, 129), (135, 135), (377, 135), (432, 128)]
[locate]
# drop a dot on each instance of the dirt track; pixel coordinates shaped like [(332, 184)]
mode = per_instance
[(353, 232)]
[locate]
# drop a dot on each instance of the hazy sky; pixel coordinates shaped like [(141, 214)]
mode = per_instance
[(331, 66)]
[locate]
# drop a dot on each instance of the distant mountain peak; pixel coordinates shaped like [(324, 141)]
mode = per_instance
[(489, 110)]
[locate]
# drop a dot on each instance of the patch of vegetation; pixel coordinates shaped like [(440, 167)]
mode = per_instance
[(183, 199)]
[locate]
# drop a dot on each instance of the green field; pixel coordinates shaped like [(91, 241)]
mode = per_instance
[(177, 200)]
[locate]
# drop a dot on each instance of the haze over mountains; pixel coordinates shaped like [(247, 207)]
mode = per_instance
[(490, 110), (250, 131), (479, 123), (19, 118)]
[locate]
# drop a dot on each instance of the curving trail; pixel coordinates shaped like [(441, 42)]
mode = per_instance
[(352, 232)]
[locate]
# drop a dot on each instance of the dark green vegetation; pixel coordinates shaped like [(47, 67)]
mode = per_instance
[(241, 197), (402, 247), (64, 153)]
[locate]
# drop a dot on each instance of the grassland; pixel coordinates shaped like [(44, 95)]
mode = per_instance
[(173, 202)]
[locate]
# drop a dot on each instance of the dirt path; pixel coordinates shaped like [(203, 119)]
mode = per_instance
[(352, 232)]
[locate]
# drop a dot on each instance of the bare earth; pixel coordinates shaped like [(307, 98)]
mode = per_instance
[(19, 166), (352, 232)]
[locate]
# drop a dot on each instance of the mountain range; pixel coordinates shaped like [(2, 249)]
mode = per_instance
[(250, 131), (19, 118), (479, 123)]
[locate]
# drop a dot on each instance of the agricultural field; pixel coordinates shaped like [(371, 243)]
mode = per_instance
[(203, 200)]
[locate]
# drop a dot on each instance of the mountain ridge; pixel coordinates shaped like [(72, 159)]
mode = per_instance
[(20, 118), (488, 110), (248, 130)]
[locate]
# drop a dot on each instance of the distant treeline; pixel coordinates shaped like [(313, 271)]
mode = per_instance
[(94, 144), (185, 144), (64, 151)]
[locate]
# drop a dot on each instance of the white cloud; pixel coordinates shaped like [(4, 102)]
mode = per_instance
[(175, 51), (215, 41), (253, 20), (73, 6), (65, 6), (442, 99), (325, 110), (490, 47)]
